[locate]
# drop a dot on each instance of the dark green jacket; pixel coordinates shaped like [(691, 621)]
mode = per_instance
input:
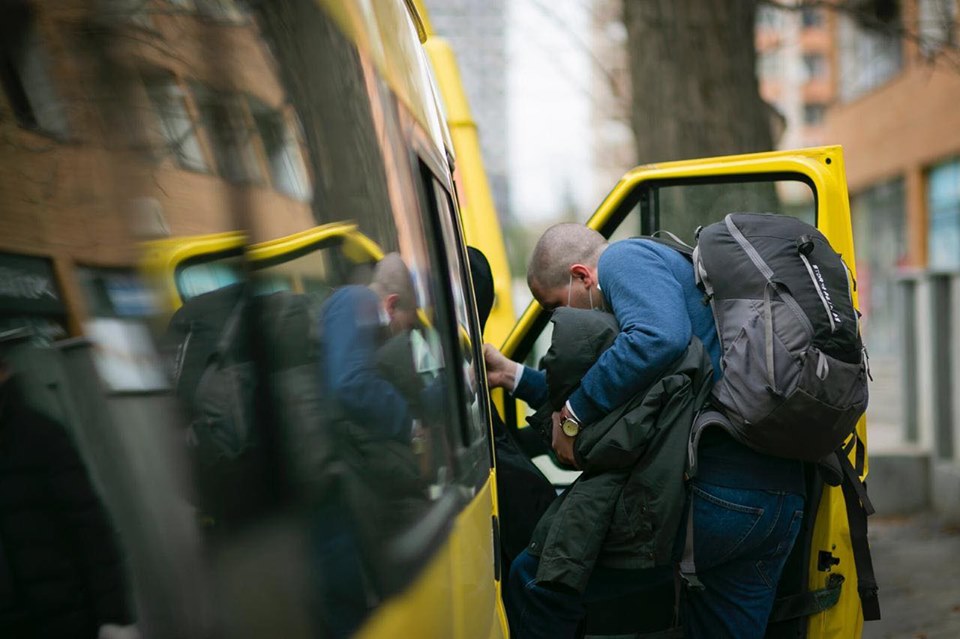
[(626, 508)]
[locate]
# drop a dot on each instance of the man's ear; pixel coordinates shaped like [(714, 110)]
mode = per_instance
[(390, 304), (582, 272)]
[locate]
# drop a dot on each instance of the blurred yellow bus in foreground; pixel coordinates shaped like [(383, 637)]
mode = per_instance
[(255, 161)]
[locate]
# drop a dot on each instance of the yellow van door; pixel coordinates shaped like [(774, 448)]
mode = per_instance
[(680, 197)]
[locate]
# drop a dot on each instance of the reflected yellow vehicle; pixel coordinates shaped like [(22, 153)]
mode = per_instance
[(167, 263), (262, 156)]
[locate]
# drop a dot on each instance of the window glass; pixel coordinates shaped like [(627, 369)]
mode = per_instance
[(814, 66), (813, 113), (135, 12), (228, 126), (206, 276), (936, 24), (177, 128), (287, 168), (868, 56), (943, 201), (231, 10), (770, 65), (879, 224), (468, 340), (30, 297), (769, 17), (114, 292), (811, 17), (299, 409), (25, 72), (685, 207)]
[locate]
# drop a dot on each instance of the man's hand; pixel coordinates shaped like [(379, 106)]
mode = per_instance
[(501, 371), (563, 443)]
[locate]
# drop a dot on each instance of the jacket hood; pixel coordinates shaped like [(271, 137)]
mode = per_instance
[(580, 336)]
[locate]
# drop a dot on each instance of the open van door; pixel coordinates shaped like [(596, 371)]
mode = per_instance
[(680, 197)]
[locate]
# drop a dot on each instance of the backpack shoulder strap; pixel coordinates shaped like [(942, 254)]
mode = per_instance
[(671, 241), (230, 329), (858, 508)]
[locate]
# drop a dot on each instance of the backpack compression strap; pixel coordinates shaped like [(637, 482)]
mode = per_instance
[(858, 508)]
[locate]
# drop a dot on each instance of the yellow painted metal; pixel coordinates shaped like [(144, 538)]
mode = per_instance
[(419, 20), (456, 595), (162, 258), (478, 611), (358, 246), (823, 167), (459, 580), (389, 34), (481, 225)]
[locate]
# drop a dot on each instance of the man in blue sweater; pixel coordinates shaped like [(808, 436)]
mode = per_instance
[(355, 322), (379, 490), (747, 507)]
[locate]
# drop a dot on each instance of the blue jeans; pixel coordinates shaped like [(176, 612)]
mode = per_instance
[(741, 541), (535, 611)]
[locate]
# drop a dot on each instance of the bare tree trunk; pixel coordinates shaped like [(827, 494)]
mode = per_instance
[(695, 90), (695, 94)]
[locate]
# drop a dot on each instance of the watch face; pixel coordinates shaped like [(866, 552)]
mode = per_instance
[(570, 428)]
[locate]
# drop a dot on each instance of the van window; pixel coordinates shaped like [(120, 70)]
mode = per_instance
[(472, 434), (286, 439), (683, 206)]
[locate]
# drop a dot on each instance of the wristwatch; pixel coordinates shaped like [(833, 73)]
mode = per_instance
[(570, 426)]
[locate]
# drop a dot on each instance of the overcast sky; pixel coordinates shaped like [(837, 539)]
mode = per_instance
[(548, 88)]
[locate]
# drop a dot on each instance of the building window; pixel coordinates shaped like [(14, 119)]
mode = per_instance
[(769, 17), (879, 222), (811, 17), (284, 157), (130, 11), (226, 10), (176, 127), (770, 65), (814, 66), (230, 130), (813, 113), (114, 292), (24, 71), (936, 20), (30, 298), (943, 202), (868, 57)]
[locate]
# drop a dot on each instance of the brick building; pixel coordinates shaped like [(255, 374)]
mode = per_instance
[(794, 50), (897, 82), (123, 123)]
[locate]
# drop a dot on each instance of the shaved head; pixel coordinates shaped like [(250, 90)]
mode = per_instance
[(560, 247), (392, 277)]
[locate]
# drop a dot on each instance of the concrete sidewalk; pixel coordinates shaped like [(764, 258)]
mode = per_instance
[(917, 563)]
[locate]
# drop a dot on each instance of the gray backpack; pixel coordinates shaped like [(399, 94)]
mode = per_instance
[(795, 371), (794, 380)]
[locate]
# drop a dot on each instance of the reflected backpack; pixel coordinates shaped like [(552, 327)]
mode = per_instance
[(794, 380)]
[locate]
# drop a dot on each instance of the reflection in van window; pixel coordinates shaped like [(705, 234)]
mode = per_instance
[(267, 398), (197, 279)]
